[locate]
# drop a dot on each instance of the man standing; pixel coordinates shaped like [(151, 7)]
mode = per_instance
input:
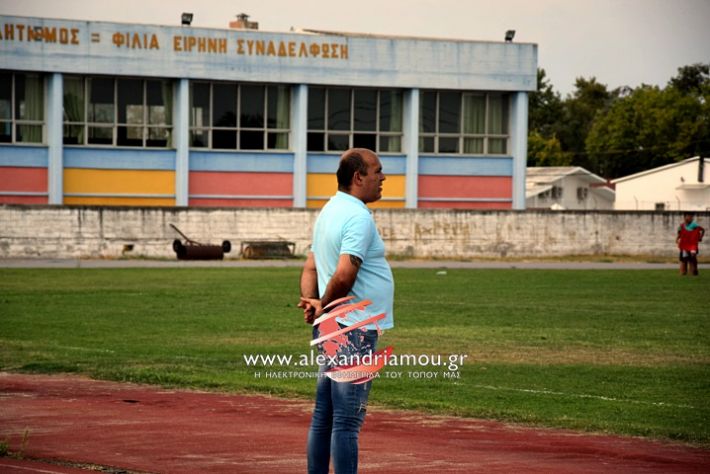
[(689, 235), (347, 258)]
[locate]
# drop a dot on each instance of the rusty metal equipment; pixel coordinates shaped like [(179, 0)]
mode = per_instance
[(258, 249), (191, 250)]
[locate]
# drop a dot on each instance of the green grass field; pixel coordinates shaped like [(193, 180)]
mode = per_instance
[(614, 351)]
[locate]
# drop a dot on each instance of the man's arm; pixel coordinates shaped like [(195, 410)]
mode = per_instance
[(309, 278), (309, 288), (339, 285), (343, 279)]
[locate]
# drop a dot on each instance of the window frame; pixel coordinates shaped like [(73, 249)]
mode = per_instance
[(16, 122), (557, 192), (486, 136), (238, 128), (114, 124), (351, 132)]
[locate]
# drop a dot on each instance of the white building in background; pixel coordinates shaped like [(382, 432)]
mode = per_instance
[(566, 187), (679, 186)]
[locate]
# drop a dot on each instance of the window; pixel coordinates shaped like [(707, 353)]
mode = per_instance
[(21, 108), (118, 111), (557, 192), (467, 123), (582, 193), (341, 118), (229, 116)]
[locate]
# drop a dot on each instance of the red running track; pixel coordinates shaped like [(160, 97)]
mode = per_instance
[(147, 429)]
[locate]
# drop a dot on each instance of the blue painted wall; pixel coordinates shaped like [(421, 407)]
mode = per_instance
[(328, 163), (24, 156), (241, 161), (119, 159), (465, 166)]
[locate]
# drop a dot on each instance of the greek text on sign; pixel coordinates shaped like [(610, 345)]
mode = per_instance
[(249, 47), (42, 34), (142, 40)]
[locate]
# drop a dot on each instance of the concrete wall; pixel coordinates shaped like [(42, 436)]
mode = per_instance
[(90, 232)]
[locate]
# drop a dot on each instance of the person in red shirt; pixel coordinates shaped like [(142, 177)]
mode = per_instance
[(689, 235)]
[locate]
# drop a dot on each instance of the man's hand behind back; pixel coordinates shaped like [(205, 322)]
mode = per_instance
[(312, 308)]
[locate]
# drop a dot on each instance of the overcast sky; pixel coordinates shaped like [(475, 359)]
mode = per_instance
[(620, 42)]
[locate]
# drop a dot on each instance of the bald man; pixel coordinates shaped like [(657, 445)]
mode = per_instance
[(347, 258)]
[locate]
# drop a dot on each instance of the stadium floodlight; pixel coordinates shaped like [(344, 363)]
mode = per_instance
[(509, 35), (186, 19)]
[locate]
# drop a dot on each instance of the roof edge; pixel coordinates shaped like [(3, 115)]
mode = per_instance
[(349, 34), (659, 168)]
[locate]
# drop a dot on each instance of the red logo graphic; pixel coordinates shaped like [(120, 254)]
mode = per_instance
[(333, 339)]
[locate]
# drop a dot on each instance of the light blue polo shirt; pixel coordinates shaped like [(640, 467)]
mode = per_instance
[(345, 226)]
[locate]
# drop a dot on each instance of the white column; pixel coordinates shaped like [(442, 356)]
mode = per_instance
[(182, 142), (411, 146), (519, 146), (55, 168), (299, 142)]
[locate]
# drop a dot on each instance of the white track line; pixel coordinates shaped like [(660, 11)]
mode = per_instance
[(583, 395)]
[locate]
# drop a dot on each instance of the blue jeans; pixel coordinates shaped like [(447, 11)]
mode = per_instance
[(339, 412)]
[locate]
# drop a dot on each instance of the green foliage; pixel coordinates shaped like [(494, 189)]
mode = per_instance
[(615, 351), (622, 131), (692, 79), (648, 128), (545, 107), (558, 128), (545, 110), (589, 99), (546, 151)]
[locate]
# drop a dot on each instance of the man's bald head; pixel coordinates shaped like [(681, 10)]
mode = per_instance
[(352, 161), (360, 174)]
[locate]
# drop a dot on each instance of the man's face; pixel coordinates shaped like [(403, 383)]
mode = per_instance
[(372, 182)]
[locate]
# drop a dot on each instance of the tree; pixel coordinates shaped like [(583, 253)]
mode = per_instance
[(694, 81), (691, 79), (648, 128), (545, 113), (545, 107), (546, 151), (623, 131), (579, 111)]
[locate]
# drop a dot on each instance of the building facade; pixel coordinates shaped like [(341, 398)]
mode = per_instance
[(96, 113), (566, 187), (681, 186)]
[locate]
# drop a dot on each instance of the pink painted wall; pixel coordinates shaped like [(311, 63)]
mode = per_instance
[(240, 202), (466, 186), (252, 185), (464, 205), (23, 180), (479, 187)]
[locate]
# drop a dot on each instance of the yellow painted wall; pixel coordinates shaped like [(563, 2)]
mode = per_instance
[(111, 201), (387, 204), (325, 185), (119, 182)]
